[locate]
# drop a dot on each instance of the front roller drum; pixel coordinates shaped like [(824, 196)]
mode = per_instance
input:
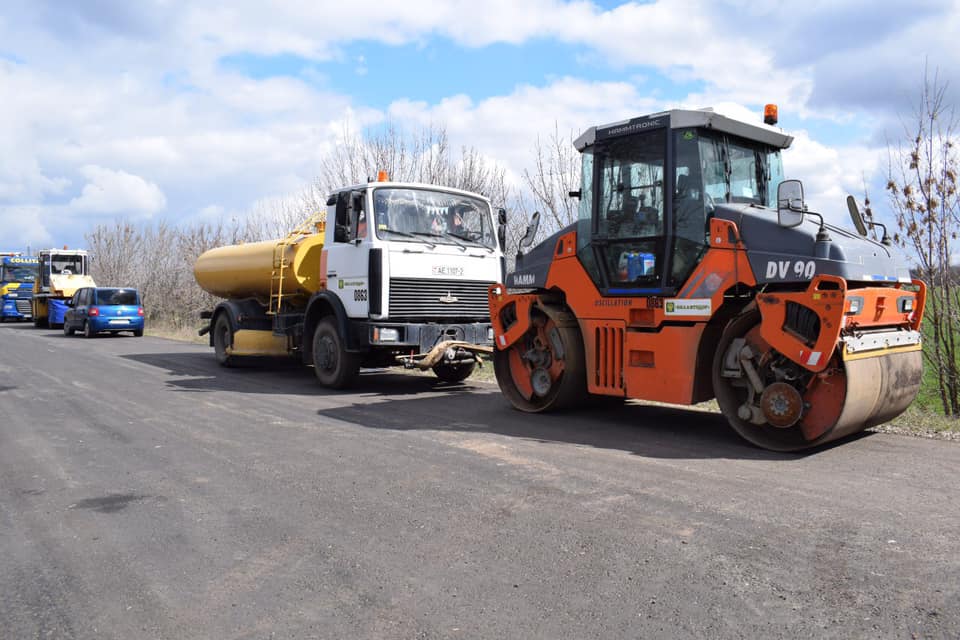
[(779, 406), (544, 370)]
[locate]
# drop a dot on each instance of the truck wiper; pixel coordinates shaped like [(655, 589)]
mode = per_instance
[(425, 234), (472, 241), (414, 235)]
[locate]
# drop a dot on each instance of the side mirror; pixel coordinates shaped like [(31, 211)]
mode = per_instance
[(790, 207), (502, 228), (531, 232), (856, 216)]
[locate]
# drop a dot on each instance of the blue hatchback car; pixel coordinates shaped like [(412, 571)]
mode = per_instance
[(97, 309)]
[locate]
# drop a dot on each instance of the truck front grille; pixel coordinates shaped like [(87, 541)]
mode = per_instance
[(415, 298), (23, 307)]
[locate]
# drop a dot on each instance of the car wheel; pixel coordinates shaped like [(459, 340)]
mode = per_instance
[(335, 367), (88, 331), (67, 329), (222, 340), (138, 333)]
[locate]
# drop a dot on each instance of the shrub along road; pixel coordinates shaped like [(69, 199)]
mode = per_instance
[(147, 493)]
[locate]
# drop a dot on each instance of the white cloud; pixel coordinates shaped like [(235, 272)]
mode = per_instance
[(23, 227), (111, 192)]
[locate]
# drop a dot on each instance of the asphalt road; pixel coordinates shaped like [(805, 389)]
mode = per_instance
[(147, 493)]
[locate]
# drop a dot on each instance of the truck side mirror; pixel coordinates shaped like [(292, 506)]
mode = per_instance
[(502, 228), (345, 228), (790, 206)]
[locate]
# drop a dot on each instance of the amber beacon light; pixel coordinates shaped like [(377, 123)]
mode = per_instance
[(770, 114), (382, 176)]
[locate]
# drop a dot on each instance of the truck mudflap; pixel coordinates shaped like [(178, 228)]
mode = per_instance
[(448, 351)]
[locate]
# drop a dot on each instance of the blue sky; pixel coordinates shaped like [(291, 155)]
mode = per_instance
[(180, 111)]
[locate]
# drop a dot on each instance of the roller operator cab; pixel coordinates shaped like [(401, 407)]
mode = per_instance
[(696, 271), (391, 273), (61, 272)]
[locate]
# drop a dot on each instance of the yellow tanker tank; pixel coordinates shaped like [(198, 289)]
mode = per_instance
[(254, 270)]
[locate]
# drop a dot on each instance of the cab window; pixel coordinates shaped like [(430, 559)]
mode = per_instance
[(630, 209)]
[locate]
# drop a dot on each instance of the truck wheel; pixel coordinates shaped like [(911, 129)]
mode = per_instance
[(39, 322), (88, 331), (222, 339), (457, 372), (334, 366)]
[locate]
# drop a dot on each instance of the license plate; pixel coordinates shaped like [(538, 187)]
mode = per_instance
[(119, 322)]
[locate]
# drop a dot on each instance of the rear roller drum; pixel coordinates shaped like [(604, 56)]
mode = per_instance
[(544, 370)]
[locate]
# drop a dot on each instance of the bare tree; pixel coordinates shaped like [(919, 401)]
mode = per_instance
[(922, 187), (556, 172)]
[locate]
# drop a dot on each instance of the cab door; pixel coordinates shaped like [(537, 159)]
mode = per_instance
[(348, 250)]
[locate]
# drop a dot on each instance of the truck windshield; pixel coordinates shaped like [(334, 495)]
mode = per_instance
[(410, 215), (17, 273)]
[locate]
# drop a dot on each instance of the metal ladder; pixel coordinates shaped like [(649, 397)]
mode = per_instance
[(316, 223)]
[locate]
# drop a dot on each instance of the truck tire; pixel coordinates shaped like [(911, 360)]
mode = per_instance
[(454, 372), (335, 367), (223, 338)]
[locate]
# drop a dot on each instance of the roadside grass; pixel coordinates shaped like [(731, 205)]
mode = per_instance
[(159, 329)]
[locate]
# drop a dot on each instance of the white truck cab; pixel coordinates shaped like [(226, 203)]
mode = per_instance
[(411, 264)]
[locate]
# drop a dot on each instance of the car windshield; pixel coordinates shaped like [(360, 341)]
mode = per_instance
[(448, 218), (18, 273), (117, 296)]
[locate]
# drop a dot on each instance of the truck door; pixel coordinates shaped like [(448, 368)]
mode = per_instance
[(348, 251)]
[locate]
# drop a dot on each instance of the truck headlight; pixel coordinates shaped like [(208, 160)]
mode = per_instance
[(386, 334)]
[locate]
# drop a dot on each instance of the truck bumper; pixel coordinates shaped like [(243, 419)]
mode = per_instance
[(423, 345), (420, 337), (15, 309)]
